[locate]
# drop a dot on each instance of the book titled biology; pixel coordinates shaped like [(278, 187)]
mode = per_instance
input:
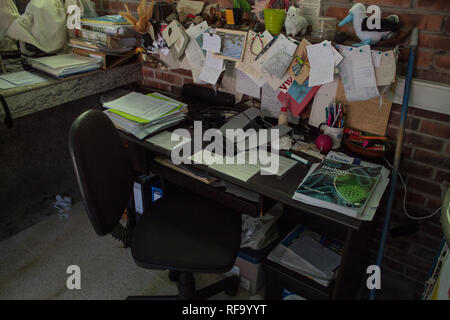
[(338, 186)]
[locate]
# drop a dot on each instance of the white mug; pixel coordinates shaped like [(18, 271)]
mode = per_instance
[(336, 135)]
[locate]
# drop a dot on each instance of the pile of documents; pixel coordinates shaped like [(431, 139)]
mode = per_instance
[(142, 115), (64, 65), (20, 78), (310, 254)]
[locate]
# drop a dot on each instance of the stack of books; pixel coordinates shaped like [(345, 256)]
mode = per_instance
[(143, 115), (341, 185), (309, 253), (107, 38)]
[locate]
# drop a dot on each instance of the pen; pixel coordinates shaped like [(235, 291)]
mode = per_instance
[(295, 157), (266, 48)]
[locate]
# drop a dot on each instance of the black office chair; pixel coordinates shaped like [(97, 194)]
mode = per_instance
[(182, 232)]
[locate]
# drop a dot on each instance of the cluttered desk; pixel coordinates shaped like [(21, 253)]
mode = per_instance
[(171, 144)]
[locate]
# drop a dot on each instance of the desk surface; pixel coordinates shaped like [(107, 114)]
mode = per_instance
[(24, 100), (279, 189)]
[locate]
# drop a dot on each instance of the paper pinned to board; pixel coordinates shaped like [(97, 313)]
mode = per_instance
[(281, 44), (212, 69), (357, 73), (270, 105), (252, 49), (193, 53), (300, 72), (211, 42), (324, 96), (384, 66), (246, 85), (322, 63)]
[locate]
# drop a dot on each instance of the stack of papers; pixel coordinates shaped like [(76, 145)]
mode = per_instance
[(310, 254), (142, 115), (21, 78), (65, 64)]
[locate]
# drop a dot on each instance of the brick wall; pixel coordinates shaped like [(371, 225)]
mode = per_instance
[(426, 151), (432, 17)]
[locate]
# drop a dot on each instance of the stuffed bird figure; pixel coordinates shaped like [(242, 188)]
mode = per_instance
[(294, 22), (358, 15)]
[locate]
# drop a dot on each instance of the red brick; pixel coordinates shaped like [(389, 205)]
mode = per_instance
[(433, 204), (423, 186), (415, 274), (416, 169), (169, 77), (147, 72), (424, 74), (442, 61), (424, 239), (442, 176), (156, 84), (434, 159), (411, 122), (436, 129), (447, 25), (405, 258), (437, 5), (393, 265), (340, 13), (434, 41), (448, 148), (187, 80), (429, 114), (422, 252), (392, 3), (183, 72), (418, 140), (432, 230), (398, 243), (423, 22)]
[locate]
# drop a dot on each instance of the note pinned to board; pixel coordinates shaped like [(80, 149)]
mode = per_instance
[(385, 67), (270, 105), (322, 62), (252, 49), (357, 73), (368, 116), (299, 71), (324, 96), (245, 85), (211, 42), (212, 69), (193, 52)]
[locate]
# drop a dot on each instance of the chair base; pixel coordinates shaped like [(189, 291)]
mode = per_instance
[(186, 288)]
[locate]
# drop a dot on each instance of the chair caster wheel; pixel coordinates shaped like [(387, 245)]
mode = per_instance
[(233, 286), (174, 275)]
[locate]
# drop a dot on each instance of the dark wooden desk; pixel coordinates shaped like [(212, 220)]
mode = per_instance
[(352, 232)]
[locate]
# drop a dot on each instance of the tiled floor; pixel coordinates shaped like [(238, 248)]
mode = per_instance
[(33, 264)]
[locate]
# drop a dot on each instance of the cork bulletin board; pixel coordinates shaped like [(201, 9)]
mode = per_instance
[(367, 115)]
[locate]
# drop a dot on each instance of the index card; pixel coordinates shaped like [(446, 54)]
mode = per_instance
[(212, 69), (322, 63)]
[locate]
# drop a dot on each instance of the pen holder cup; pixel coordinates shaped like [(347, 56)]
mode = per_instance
[(336, 134), (274, 19)]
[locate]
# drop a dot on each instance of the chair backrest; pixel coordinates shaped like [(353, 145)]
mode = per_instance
[(102, 169)]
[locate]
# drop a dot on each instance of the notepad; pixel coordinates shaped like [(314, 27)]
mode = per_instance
[(322, 63), (164, 140), (22, 78)]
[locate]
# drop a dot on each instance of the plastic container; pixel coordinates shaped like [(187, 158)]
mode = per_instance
[(324, 28), (274, 19)]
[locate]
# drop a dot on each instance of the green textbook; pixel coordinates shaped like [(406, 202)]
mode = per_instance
[(338, 186)]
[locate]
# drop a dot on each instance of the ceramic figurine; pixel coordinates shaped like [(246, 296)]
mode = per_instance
[(294, 22), (358, 15)]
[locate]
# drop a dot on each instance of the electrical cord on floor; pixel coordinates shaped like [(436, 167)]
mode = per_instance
[(404, 198)]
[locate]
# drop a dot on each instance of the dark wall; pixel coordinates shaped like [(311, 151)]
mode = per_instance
[(35, 164)]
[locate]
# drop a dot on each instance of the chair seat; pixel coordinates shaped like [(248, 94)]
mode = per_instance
[(186, 232)]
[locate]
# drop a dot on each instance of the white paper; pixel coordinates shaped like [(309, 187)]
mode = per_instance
[(211, 42), (281, 44), (245, 85), (355, 59), (324, 96), (193, 52), (384, 67), (22, 78), (322, 63), (142, 106), (212, 69), (376, 58), (284, 165), (270, 105), (164, 140)]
